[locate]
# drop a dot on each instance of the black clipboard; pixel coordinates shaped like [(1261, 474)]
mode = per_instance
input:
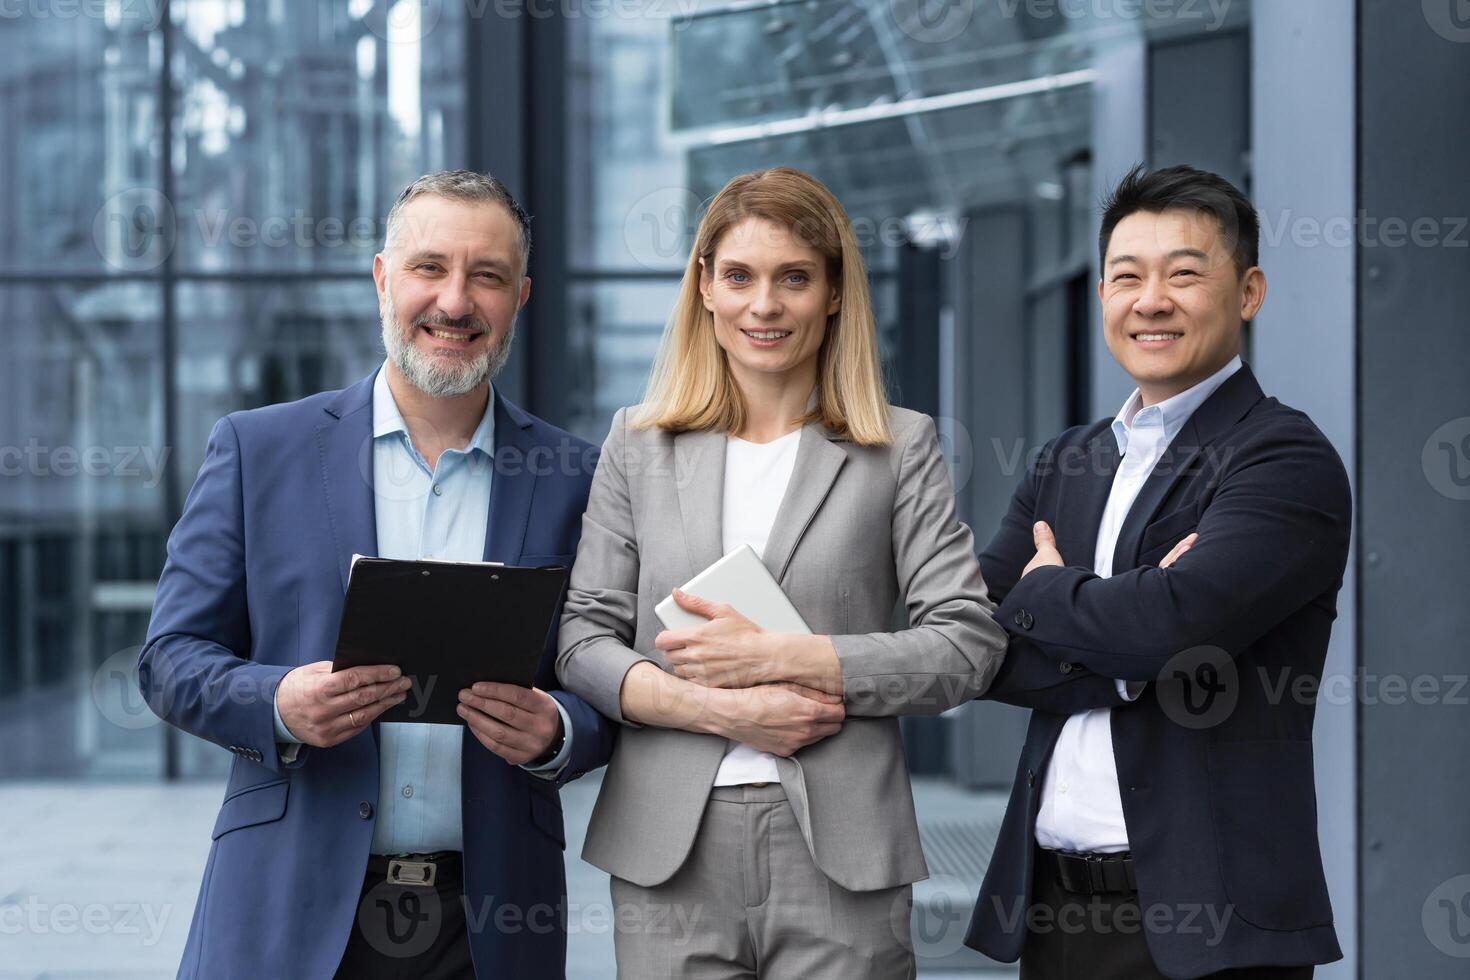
[(446, 625)]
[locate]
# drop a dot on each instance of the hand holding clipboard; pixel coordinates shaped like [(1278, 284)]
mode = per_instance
[(445, 626), (413, 647)]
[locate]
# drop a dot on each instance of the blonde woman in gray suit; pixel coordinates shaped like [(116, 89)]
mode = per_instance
[(757, 817)]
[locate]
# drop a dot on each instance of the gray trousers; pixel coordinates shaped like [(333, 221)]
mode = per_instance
[(749, 902)]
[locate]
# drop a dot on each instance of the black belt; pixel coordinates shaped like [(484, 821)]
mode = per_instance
[(423, 870), (1088, 873)]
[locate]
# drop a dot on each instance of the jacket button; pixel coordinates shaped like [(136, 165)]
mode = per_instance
[(365, 810), (1026, 619), (1030, 777), (1067, 668)]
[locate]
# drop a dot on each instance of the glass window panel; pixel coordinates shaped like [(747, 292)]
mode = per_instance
[(299, 123), (615, 332), (296, 124), (628, 203), (943, 161), (82, 483), (80, 158), (819, 56), (246, 345)]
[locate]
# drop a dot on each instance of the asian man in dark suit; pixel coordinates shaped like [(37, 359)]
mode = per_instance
[(1169, 580)]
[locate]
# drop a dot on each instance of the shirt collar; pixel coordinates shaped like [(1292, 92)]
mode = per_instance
[(1171, 413), (387, 419)]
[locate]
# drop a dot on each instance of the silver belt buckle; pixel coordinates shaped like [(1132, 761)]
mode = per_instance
[(417, 873)]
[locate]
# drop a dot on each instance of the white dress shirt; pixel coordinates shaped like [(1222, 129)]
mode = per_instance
[(756, 475), (1081, 807)]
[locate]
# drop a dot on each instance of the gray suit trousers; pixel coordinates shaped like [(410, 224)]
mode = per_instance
[(750, 902)]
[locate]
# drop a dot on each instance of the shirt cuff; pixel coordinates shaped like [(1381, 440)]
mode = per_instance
[(552, 769), (1130, 690), (287, 745)]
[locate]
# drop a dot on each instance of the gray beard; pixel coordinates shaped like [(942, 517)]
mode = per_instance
[(439, 377)]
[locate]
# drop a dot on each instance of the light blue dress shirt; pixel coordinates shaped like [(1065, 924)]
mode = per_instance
[(422, 513)]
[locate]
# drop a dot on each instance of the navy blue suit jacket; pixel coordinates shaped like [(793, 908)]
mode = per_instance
[(253, 586), (1215, 757)]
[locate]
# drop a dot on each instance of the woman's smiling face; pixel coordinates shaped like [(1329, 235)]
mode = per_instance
[(771, 297)]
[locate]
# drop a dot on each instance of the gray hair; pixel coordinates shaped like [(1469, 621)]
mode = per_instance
[(462, 185)]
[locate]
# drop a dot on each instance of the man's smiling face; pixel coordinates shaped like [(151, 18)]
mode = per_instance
[(449, 287), (1173, 300)]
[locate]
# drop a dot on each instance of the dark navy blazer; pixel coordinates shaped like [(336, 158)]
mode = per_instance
[(1215, 757), (253, 586)]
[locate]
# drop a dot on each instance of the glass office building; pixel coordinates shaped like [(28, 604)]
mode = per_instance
[(191, 193)]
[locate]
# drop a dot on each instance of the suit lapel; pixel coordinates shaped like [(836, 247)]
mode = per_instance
[(818, 460), (1172, 465), (1226, 406), (512, 486), (511, 489), (345, 448), (699, 474), (1077, 532)]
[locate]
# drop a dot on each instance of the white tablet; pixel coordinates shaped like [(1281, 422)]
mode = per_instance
[(742, 580)]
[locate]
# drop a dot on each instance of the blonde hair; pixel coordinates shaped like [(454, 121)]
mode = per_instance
[(691, 387)]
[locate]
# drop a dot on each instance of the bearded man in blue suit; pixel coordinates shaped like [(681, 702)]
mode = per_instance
[(345, 846)]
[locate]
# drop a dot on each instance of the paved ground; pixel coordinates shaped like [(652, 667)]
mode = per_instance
[(99, 880)]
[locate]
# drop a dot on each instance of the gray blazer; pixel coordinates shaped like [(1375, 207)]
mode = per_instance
[(858, 529)]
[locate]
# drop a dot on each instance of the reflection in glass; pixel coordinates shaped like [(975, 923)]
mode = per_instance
[(81, 509), (243, 346), (296, 124), (79, 110), (815, 56), (628, 207), (614, 334), (300, 122)]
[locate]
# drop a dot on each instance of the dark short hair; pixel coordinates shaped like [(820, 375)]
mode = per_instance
[(1192, 190)]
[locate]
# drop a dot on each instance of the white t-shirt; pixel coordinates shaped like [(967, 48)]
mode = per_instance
[(755, 482)]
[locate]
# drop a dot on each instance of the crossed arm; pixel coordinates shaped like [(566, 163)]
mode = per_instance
[(597, 662), (1273, 536), (1029, 678), (730, 677)]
